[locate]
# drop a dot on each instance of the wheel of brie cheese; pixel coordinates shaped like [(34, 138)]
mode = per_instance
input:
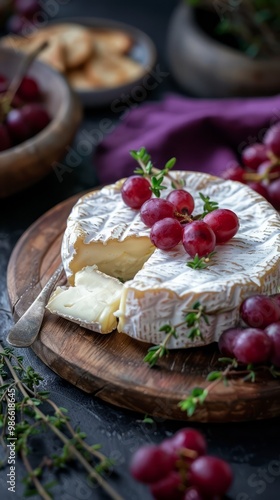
[(119, 280)]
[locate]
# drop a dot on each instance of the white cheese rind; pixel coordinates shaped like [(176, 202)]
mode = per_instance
[(91, 302), (164, 288)]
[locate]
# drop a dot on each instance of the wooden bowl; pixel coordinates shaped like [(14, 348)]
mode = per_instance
[(208, 68), (25, 164)]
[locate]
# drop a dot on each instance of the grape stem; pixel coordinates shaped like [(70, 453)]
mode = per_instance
[(266, 175)]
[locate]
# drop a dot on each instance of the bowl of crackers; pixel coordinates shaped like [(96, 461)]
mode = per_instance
[(100, 58)]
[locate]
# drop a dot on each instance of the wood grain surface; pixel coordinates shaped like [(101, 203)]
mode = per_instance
[(111, 366)]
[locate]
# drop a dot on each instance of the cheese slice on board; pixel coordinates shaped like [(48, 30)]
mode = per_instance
[(91, 302), (159, 288)]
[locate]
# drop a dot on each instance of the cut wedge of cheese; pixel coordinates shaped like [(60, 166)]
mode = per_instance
[(159, 287), (91, 302)]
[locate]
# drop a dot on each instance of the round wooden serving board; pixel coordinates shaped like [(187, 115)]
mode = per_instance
[(111, 366)]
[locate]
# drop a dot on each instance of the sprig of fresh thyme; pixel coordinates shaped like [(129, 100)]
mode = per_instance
[(147, 169), (192, 320), (33, 420), (208, 206), (200, 262), (198, 395)]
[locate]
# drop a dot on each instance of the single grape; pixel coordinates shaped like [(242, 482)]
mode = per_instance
[(210, 475), (198, 238), (150, 463), (252, 346), (224, 223), (36, 117), (259, 188), (227, 340), (234, 173), (16, 24), (135, 191), (5, 140), (258, 311), (156, 209), (273, 331), (29, 89), (273, 190), (17, 126), (255, 154), (27, 8), (272, 139), (166, 233), (191, 439), (182, 200), (168, 488)]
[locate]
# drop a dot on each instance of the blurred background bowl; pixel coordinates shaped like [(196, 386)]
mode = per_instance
[(28, 162)]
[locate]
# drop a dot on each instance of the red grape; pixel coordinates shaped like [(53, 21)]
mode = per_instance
[(224, 223), (191, 439), (255, 154), (210, 475), (29, 89), (166, 233), (258, 311), (198, 239), (234, 173), (156, 209), (273, 331), (5, 140), (182, 200), (150, 463), (27, 8), (135, 191), (168, 487), (252, 346), (273, 190), (36, 117), (16, 24), (272, 139), (227, 340), (17, 126)]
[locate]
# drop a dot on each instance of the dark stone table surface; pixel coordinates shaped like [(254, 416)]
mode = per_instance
[(252, 448)]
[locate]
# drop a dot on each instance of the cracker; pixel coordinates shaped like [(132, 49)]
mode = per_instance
[(112, 71), (53, 54), (77, 43), (79, 80), (111, 41)]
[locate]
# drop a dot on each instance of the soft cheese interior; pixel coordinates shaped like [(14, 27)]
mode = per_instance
[(159, 287), (91, 302)]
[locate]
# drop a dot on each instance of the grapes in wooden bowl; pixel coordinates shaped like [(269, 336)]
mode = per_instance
[(37, 122)]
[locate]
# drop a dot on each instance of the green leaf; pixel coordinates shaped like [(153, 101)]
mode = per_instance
[(170, 164), (209, 205), (215, 375)]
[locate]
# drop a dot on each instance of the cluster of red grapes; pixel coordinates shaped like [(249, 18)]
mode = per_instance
[(25, 116), (170, 221), (22, 13), (180, 469), (259, 342), (260, 166)]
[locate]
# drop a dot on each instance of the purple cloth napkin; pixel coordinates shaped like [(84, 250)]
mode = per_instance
[(204, 135)]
